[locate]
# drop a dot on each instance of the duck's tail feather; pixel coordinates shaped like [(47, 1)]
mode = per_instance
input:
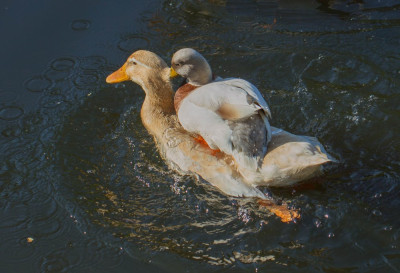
[(247, 166)]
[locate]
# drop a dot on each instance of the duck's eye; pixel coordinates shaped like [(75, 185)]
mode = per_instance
[(178, 64), (134, 63)]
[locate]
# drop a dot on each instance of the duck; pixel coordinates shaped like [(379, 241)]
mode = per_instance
[(290, 158), (230, 114)]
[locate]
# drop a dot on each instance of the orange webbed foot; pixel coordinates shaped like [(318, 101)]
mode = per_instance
[(282, 211)]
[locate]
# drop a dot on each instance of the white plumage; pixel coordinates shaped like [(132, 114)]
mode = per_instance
[(232, 116)]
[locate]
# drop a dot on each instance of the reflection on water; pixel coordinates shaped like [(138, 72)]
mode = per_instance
[(84, 161)]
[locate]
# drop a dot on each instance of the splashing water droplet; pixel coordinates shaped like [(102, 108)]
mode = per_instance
[(317, 223)]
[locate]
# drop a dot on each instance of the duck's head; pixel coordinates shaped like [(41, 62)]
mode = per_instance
[(139, 67), (191, 65)]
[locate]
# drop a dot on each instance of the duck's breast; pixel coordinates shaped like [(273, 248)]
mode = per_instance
[(181, 94)]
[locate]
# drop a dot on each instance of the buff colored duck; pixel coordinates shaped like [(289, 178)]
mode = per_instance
[(230, 114), (290, 158)]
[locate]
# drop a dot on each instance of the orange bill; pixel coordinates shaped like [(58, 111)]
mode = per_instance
[(118, 76), (172, 73)]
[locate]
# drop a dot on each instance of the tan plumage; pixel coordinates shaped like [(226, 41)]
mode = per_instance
[(290, 158)]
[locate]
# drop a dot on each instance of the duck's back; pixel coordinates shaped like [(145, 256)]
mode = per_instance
[(231, 115)]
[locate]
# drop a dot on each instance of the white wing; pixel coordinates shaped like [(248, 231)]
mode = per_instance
[(237, 95), (251, 90), (207, 123), (221, 111)]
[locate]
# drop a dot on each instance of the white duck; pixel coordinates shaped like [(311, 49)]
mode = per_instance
[(229, 114), (290, 158)]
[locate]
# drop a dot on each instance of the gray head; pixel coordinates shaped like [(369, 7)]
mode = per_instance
[(191, 65)]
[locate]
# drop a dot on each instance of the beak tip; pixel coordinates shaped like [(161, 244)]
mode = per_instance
[(117, 76), (172, 73)]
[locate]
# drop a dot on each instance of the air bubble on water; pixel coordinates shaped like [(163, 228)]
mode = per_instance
[(376, 212), (387, 228)]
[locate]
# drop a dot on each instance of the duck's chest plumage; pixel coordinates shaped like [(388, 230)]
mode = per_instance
[(182, 93)]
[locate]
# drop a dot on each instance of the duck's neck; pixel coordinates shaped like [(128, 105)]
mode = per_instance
[(158, 105)]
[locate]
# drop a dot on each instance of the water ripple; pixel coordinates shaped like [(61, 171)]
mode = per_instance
[(56, 75), (44, 227), (20, 251), (7, 96), (63, 64), (80, 24), (52, 101), (86, 79), (11, 131), (11, 113), (17, 217), (132, 43), (93, 63), (55, 262), (38, 84)]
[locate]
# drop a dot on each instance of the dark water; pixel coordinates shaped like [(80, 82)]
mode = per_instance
[(80, 176)]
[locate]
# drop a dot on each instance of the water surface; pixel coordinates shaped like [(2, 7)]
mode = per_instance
[(81, 177)]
